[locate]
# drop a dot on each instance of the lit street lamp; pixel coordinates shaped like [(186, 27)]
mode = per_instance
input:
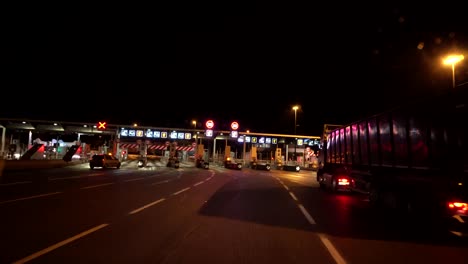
[(295, 126), (194, 123), (243, 149), (452, 60)]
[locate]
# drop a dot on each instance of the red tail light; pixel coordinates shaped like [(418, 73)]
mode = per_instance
[(458, 206), (343, 181)]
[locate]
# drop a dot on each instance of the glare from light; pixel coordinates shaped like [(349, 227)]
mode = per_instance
[(453, 59)]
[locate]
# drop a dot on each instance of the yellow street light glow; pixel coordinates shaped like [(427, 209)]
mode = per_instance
[(453, 59)]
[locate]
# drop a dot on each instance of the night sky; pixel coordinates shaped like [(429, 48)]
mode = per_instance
[(247, 61)]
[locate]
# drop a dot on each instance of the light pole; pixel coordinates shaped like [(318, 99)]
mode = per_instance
[(194, 123), (243, 148), (295, 126), (452, 60)]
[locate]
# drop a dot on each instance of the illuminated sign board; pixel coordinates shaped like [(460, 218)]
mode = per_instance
[(234, 125), (209, 124), (300, 141), (234, 134), (180, 135)]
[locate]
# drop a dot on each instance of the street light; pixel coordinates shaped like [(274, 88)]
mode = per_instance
[(194, 123), (243, 149), (295, 126), (452, 60), (295, 117)]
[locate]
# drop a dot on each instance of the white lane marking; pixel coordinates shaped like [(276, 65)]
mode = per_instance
[(332, 250), (60, 244), (160, 182), (307, 215), (328, 244), (181, 191), (96, 186), (146, 206), (29, 197), (198, 183), (136, 179), (15, 183), (457, 233), (286, 187), (76, 177), (293, 196)]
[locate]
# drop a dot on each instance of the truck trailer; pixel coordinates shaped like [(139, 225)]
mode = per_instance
[(412, 159)]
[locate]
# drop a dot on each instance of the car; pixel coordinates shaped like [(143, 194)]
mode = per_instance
[(200, 163), (261, 166), (104, 161), (231, 164), (335, 178)]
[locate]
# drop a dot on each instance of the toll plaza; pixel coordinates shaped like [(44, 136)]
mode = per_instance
[(42, 139)]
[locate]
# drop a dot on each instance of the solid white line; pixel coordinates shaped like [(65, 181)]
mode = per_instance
[(64, 242), (293, 196), (181, 191), (30, 197), (307, 215), (99, 185), (333, 252), (146, 206), (198, 183), (137, 179)]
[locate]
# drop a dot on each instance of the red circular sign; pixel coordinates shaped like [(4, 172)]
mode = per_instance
[(209, 124), (234, 125)]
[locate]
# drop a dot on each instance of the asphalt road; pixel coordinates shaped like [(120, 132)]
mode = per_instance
[(193, 215)]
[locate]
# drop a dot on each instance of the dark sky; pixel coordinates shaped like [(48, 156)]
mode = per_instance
[(246, 61)]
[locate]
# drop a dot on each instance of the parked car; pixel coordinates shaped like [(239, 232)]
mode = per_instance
[(104, 161)]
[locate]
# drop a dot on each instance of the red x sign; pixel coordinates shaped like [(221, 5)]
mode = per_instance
[(102, 125)]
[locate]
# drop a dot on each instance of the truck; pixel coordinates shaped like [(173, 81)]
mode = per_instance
[(411, 159)]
